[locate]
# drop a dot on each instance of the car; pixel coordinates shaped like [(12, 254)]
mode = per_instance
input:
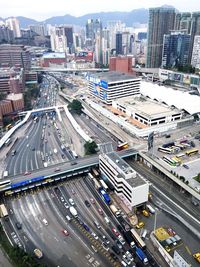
[(73, 163), (45, 140), (105, 239), (18, 225), (167, 136), (113, 256), (27, 173), (115, 231), (66, 205), (57, 170), (11, 211), (86, 227), (73, 192), (121, 239), (65, 232), (62, 199), (145, 213), (93, 247), (185, 166), (95, 235), (33, 148), (87, 203), (100, 211), (105, 246), (119, 245), (140, 225), (92, 200), (116, 249), (171, 232)]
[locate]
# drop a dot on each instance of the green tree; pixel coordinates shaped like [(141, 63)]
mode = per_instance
[(75, 107), (90, 148)]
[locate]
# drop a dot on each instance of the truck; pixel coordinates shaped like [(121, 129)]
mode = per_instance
[(141, 255), (197, 256), (3, 211), (116, 212), (5, 174), (38, 253), (105, 195), (63, 147), (129, 238), (73, 212)]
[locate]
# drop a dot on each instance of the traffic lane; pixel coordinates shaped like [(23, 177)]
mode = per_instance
[(174, 195), (84, 240)]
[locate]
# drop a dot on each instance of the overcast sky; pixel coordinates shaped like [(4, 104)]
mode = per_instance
[(42, 9)]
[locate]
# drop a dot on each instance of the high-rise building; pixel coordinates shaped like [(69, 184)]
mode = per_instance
[(119, 50), (6, 35), (58, 39), (13, 25), (92, 27), (161, 21), (190, 22), (195, 62), (40, 29), (15, 55), (68, 31), (175, 49), (114, 27)]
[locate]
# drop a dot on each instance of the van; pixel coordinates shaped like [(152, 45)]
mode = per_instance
[(68, 218), (177, 237), (123, 263), (144, 234), (151, 209), (71, 201), (107, 220), (97, 224), (45, 222)]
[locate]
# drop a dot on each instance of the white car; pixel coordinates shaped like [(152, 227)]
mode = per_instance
[(94, 235)]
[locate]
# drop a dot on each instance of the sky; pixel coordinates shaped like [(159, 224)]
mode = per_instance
[(43, 9)]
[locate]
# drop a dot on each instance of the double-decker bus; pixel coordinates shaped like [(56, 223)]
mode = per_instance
[(4, 183), (169, 161), (122, 146), (191, 152), (138, 239), (165, 150)]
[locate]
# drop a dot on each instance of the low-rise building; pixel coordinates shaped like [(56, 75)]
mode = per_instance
[(113, 85), (53, 59), (128, 184), (17, 101), (146, 112), (11, 80)]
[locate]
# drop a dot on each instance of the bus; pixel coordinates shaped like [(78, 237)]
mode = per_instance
[(191, 152), (138, 239), (165, 150), (169, 161), (181, 155), (4, 183), (122, 146), (104, 185), (3, 211), (177, 160), (8, 127), (8, 142)]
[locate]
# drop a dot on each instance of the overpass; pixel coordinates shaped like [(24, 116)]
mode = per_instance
[(59, 172), (50, 69)]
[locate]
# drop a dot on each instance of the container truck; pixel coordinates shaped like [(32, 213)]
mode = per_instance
[(141, 255), (73, 212), (116, 212)]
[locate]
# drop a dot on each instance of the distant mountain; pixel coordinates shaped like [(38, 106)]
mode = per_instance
[(134, 16)]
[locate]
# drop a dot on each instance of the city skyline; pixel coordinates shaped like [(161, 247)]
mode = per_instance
[(30, 9)]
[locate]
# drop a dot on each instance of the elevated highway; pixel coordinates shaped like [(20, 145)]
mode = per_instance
[(54, 173)]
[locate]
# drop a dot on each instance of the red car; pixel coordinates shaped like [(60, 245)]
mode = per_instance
[(27, 173), (65, 232), (92, 200), (171, 232), (73, 192), (115, 231), (100, 211)]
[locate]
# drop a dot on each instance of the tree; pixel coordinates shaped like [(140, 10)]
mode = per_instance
[(75, 107), (90, 148)]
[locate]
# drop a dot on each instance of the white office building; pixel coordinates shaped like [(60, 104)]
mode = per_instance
[(128, 184), (113, 85), (195, 62), (13, 24)]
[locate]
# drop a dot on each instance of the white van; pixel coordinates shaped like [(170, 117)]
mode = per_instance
[(144, 234), (107, 220), (68, 218), (151, 209), (71, 201), (123, 263), (45, 222)]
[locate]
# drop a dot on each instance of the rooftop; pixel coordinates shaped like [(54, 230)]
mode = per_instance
[(134, 181), (14, 96), (146, 107), (114, 76)]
